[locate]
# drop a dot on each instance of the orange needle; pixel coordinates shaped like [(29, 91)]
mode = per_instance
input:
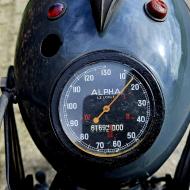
[(107, 108)]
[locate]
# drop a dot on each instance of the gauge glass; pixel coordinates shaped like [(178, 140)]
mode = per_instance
[(105, 108)]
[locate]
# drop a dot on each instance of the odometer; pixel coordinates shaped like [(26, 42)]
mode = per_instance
[(107, 108)]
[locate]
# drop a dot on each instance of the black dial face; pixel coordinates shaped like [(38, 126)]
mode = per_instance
[(105, 108)]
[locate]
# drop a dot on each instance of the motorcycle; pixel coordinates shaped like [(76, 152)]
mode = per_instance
[(103, 88)]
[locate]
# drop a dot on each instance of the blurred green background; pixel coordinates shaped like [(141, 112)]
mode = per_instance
[(10, 18)]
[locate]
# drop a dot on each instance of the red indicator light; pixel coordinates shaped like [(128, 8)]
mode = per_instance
[(87, 117), (128, 117), (110, 132), (56, 11), (156, 9)]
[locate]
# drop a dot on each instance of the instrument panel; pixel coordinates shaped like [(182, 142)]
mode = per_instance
[(108, 108)]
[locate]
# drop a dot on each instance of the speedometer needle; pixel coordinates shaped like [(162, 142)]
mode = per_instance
[(107, 108)]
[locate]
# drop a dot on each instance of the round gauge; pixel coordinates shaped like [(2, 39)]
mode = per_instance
[(106, 108)]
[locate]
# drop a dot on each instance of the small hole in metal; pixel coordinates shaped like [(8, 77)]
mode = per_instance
[(51, 45)]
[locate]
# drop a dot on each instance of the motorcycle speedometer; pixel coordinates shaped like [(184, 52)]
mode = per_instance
[(108, 106)]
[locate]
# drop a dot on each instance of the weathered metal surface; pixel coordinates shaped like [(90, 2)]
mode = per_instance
[(163, 47)]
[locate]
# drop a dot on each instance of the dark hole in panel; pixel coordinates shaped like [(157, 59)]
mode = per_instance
[(50, 45)]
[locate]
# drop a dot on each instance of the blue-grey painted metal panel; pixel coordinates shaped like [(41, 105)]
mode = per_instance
[(164, 47)]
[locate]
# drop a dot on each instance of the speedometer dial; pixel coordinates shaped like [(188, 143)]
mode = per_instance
[(107, 108)]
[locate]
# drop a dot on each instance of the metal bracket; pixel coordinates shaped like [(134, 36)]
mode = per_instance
[(4, 100), (8, 92)]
